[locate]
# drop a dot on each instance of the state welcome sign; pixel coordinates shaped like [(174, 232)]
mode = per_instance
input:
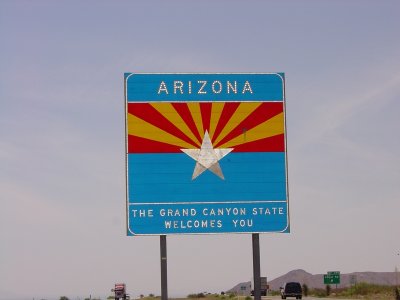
[(206, 153)]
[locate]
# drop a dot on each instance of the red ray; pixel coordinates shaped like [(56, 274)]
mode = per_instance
[(142, 145), (205, 109)]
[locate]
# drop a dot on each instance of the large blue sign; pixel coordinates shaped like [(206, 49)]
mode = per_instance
[(206, 153)]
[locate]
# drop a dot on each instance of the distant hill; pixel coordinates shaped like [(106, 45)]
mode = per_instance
[(317, 280)]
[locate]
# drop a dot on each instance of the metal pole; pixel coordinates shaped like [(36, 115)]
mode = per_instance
[(163, 256), (256, 266)]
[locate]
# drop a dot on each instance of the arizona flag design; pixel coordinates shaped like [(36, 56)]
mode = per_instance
[(204, 166)]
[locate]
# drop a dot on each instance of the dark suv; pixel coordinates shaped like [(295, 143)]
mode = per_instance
[(291, 289)]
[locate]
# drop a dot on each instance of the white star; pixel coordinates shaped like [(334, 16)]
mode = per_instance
[(207, 157)]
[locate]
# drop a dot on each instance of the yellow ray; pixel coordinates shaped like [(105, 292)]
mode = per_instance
[(195, 111), (241, 113), (216, 111), (140, 128), (271, 127), (169, 112)]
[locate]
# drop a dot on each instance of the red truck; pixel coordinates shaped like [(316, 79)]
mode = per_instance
[(120, 291)]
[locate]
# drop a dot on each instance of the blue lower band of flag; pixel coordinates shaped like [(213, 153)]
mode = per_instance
[(167, 178)]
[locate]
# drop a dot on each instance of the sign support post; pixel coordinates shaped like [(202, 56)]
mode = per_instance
[(163, 258), (256, 266)]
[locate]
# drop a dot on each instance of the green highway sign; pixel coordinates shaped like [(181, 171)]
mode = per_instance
[(332, 278)]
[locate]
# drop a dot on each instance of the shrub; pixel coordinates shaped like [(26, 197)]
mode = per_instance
[(199, 295), (305, 289), (320, 293), (364, 289)]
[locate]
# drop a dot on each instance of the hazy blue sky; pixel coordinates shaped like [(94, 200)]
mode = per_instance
[(62, 164)]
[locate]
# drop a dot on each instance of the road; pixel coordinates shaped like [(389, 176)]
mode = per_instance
[(304, 298)]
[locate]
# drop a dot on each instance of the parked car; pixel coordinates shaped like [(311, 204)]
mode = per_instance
[(291, 289)]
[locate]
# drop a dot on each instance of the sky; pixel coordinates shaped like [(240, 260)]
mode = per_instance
[(62, 139)]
